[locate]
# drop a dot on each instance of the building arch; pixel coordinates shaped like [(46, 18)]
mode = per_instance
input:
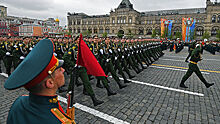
[(101, 30), (149, 31), (213, 19), (141, 31), (95, 30), (107, 30), (199, 31), (78, 30), (121, 31), (158, 30), (214, 30), (218, 19), (90, 29), (84, 29), (176, 29)]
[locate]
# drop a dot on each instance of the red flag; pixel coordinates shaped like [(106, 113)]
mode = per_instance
[(86, 59)]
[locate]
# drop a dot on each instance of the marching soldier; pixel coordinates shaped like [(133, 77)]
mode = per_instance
[(195, 58), (8, 56)]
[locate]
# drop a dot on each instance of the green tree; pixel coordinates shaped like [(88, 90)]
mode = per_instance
[(130, 35), (154, 33), (206, 35), (87, 33), (120, 35), (178, 35), (218, 35), (105, 34)]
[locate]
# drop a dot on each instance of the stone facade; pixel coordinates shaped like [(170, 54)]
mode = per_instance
[(3, 11), (20, 26), (127, 20)]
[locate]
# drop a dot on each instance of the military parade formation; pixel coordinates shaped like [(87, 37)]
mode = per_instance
[(113, 55), (118, 57)]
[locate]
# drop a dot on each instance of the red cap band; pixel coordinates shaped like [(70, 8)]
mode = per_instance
[(50, 67)]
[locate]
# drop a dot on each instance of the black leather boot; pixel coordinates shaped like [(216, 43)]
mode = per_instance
[(96, 101), (127, 81), (131, 76), (109, 91), (85, 92), (183, 85), (99, 85), (121, 85), (209, 85)]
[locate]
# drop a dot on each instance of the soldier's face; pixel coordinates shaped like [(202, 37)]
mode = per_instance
[(59, 77)]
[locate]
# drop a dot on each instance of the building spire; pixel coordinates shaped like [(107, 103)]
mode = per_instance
[(125, 4)]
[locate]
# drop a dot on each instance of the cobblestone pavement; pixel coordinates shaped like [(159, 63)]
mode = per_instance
[(140, 104)]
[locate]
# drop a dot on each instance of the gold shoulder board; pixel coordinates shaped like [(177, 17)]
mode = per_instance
[(62, 117)]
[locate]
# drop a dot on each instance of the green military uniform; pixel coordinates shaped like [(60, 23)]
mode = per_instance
[(36, 109), (131, 63), (191, 48), (195, 57), (2, 54), (70, 58), (8, 57), (106, 63)]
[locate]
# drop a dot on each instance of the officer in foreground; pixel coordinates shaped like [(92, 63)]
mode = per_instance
[(195, 58), (41, 74)]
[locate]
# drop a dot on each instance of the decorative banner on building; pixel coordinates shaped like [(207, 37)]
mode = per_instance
[(170, 24), (166, 27), (163, 26), (188, 26)]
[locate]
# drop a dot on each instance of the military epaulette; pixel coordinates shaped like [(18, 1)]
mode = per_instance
[(61, 116)]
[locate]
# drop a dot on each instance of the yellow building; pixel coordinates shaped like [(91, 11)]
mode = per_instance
[(125, 19)]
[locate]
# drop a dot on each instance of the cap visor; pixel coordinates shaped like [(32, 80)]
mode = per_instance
[(60, 64)]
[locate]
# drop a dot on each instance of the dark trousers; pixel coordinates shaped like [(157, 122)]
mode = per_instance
[(193, 68)]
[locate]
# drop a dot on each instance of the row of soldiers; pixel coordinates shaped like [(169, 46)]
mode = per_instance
[(212, 47), (113, 55)]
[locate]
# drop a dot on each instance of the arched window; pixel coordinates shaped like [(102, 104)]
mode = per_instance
[(130, 20), (158, 30), (149, 31), (199, 31), (124, 20), (78, 30), (101, 31), (107, 30), (90, 29), (219, 19), (84, 29), (113, 20), (141, 31), (176, 29), (213, 18), (95, 30), (214, 31)]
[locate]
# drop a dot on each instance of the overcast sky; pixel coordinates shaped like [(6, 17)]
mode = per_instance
[(43, 9)]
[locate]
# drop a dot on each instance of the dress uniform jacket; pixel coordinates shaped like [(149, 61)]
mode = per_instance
[(34, 109)]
